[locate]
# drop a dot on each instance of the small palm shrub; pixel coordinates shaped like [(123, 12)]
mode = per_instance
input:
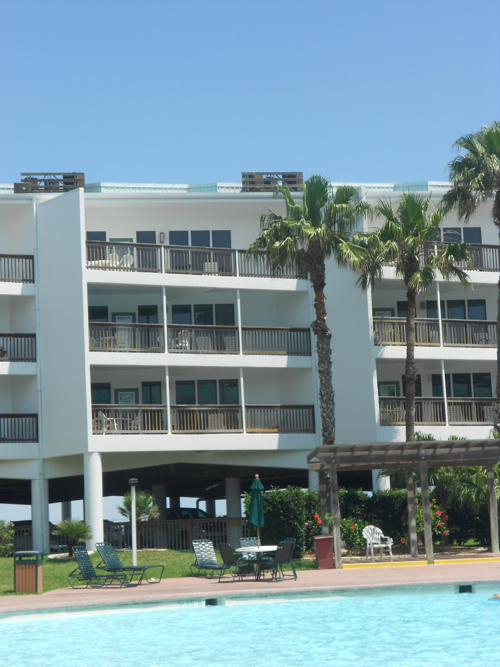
[(6, 539), (75, 531)]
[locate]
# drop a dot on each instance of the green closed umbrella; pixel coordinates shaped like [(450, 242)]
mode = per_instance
[(256, 514)]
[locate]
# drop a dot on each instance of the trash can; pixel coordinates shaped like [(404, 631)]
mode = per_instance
[(28, 571), (323, 545)]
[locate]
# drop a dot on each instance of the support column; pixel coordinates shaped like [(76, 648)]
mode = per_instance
[(92, 479), (243, 404), (238, 312), (412, 520), (174, 502), (210, 506), (233, 503), (323, 503), (493, 507), (167, 401), (66, 510), (159, 493), (337, 541), (313, 480), (424, 482), (40, 515), (380, 483)]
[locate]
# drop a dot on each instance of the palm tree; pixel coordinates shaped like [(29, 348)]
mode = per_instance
[(311, 231), (405, 242), (75, 531), (145, 506), (475, 175)]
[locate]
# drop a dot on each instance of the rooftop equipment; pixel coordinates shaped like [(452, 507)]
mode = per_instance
[(50, 182), (264, 181)]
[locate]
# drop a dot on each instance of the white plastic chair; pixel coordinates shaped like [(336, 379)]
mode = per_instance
[(127, 261), (375, 538), (184, 340)]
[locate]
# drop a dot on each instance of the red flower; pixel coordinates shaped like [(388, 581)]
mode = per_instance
[(439, 512), (403, 540), (352, 526), (319, 521), (432, 532), (440, 524), (445, 532), (402, 518), (306, 524), (316, 516), (445, 518)]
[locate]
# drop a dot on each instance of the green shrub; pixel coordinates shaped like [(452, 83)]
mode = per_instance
[(351, 531), (353, 503), (388, 510), (6, 539)]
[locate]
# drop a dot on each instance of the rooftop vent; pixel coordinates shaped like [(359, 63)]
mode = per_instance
[(50, 182), (252, 181)]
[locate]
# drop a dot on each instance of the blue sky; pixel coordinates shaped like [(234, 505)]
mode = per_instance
[(198, 91)]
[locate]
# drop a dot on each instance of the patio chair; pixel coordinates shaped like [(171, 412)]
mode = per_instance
[(206, 560), (241, 565), (290, 560), (184, 340), (376, 539), (127, 261), (85, 572), (111, 562), (282, 557), (249, 542)]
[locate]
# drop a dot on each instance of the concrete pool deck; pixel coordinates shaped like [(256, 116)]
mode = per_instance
[(188, 589)]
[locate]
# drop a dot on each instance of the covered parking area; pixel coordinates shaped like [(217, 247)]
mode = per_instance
[(422, 455)]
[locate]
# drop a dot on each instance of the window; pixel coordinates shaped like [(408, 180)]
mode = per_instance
[(418, 386), (146, 237), (472, 235), (151, 393), (200, 239), (207, 392), (476, 309), (402, 308), (432, 309), (98, 313), (96, 236), (456, 310), (181, 315), (148, 314), (178, 238), (224, 314), (461, 385), (221, 239), (384, 312), (185, 392), (452, 234), (389, 389), (482, 385), (101, 393), (437, 386), (204, 314), (228, 392)]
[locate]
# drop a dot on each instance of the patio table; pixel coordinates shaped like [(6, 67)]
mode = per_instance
[(258, 551)]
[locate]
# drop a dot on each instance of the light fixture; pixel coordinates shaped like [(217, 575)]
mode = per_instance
[(422, 305), (162, 237), (133, 481)]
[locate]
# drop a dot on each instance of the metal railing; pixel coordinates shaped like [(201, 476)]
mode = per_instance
[(276, 340), (465, 333), (19, 428), (280, 418), (17, 269), (206, 339), (111, 336), (111, 256), (206, 419), (17, 347), (432, 411), (115, 419)]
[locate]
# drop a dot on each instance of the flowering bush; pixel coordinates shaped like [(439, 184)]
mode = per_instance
[(439, 522), (6, 538), (351, 532), (312, 527)]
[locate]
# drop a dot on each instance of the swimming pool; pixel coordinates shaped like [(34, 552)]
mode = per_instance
[(422, 627)]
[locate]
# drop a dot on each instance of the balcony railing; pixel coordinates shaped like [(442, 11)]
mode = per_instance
[(456, 333), (205, 339), (482, 257), (114, 337), (17, 347), (432, 411), (111, 256), (17, 269), (276, 340), (135, 419), (19, 428)]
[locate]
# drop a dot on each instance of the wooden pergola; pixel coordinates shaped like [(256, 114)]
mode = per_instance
[(407, 455)]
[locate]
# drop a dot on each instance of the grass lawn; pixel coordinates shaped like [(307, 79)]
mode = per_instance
[(55, 571)]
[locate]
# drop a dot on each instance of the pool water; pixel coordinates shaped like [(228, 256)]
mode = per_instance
[(405, 630)]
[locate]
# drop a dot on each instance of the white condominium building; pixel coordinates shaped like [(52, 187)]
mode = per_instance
[(137, 339)]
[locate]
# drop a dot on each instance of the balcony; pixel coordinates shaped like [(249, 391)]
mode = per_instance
[(19, 428), (431, 411), (149, 258), (141, 419), (456, 333), (17, 347), (17, 269), (114, 337)]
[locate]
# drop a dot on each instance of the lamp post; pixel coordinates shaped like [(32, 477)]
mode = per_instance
[(133, 518)]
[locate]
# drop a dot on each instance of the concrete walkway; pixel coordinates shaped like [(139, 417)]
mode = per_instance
[(309, 581)]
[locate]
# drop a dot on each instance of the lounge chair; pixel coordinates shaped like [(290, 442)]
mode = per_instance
[(290, 560), (111, 562), (375, 538), (241, 565), (85, 572), (281, 557), (206, 560)]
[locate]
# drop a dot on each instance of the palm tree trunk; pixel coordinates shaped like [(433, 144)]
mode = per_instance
[(316, 270), (410, 370)]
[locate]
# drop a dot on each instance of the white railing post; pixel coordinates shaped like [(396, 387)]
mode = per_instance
[(243, 409), (238, 311), (237, 262), (167, 401), (164, 306)]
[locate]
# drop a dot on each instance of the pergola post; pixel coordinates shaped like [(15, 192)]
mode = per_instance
[(337, 542), (424, 481), (493, 507), (323, 502), (412, 520)]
